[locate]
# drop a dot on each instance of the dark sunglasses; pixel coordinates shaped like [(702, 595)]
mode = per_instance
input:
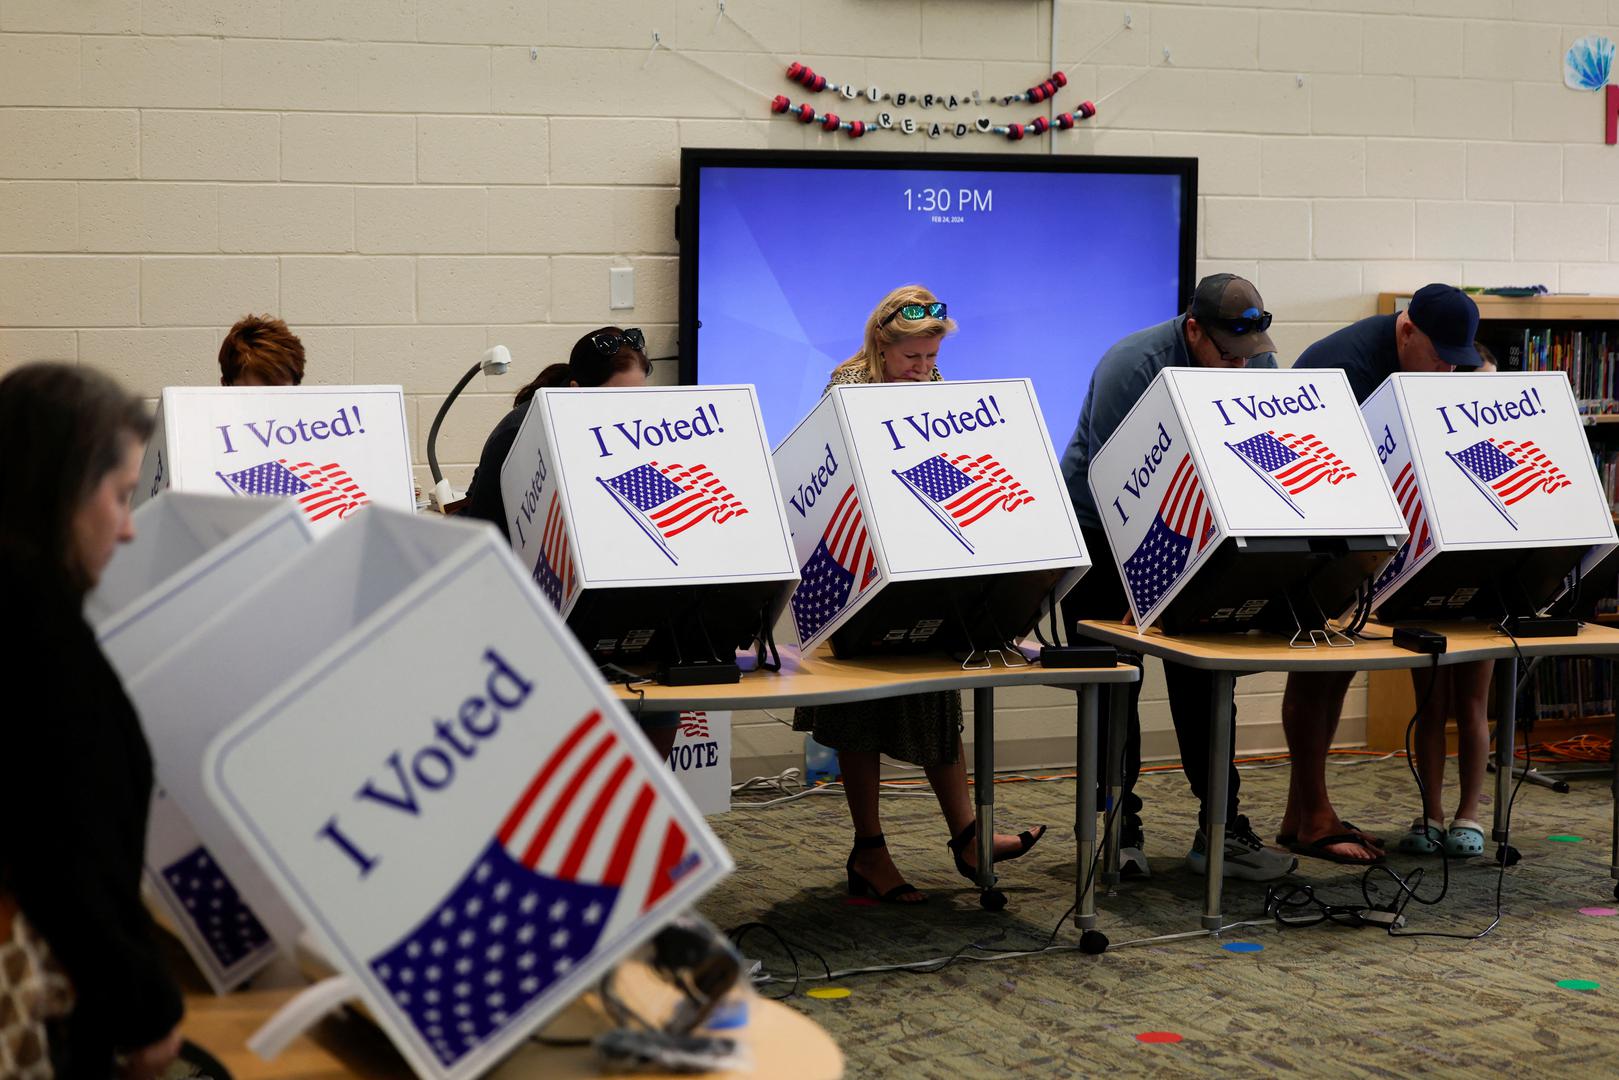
[(608, 343), (936, 310), (1252, 321)]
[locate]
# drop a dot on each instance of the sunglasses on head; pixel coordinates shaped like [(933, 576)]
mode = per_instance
[(1252, 321), (608, 343), (936, 310)]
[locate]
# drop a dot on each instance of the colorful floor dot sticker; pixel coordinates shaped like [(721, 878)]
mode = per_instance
[(1564, 838), (1599, 911), (1158, 1037), (1243, 946), (1578, 984), (833, 993)]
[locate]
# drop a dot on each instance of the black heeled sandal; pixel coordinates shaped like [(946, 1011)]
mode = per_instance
[(958, 843), (859, 886)]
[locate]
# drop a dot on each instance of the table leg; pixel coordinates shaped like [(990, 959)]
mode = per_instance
[(1085, 811), (1613, 868), (1219, 791), (984, 781), (1506, 726), (1118, 707)]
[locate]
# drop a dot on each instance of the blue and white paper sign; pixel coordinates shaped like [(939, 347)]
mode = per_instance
[(330, 449), (622, 487), (1485, 461), (914, 481), (192, 555), (1210, 453), (478, 843)]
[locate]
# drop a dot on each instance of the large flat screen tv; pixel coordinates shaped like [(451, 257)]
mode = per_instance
[(1044, 262)]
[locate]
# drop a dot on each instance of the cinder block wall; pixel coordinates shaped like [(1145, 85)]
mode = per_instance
[(410, 181)]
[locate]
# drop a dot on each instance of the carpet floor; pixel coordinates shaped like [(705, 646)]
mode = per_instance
[(1324, 1000)]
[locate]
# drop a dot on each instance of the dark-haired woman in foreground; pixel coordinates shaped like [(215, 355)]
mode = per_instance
[(76, 775)]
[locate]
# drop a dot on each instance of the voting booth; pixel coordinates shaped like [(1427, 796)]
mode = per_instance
[(192, 555), (421, 767), (330, 449), (1497, 483), (651, 519), (926, 517), (1244, 499)]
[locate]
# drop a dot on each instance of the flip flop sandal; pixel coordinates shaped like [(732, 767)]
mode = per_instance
[(1287, 840), (1465, 839), (1425, 838), (1318, 849)]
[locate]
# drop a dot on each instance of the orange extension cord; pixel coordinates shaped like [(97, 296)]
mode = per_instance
[(1579, 748)]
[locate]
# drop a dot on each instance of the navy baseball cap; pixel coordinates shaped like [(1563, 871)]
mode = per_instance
[(1450, 319)]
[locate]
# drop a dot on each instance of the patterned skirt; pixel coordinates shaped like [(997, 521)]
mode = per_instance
[(922, 729)]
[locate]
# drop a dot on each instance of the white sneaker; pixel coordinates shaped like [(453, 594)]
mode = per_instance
[(1246, 855)]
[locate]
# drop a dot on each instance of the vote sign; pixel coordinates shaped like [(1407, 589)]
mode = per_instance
[(701, 759), (191, 555), (621, 487), (1485, 461), (917, 481), (476, 843), (1210, 453), (331, 449)]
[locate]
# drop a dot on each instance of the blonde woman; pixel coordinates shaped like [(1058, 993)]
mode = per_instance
[(903, 335)]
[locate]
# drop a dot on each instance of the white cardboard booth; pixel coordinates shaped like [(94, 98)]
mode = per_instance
[(192, 555), (433, 776), (651, 518), (701, 759), (926, 516), (331, 449), (1496, 480), (1240, 499)]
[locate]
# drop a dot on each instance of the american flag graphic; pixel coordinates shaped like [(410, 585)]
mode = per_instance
[(1513, 470), (232, 931), (965, 488), (1409, 496), (666, 500), (585, 849), (1181, 528), (553, 570), (839, 570), (1296, 462), (321, 490), (694, 724)]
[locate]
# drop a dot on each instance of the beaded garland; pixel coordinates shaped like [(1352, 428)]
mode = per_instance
[(885, 121)]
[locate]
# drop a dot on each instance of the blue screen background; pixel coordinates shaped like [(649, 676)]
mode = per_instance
[(1061, 265)]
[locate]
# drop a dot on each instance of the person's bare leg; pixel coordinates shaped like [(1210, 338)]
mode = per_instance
[(955, 800), (1311, 705), (1470, 697), (1428, 740), (861, 770)]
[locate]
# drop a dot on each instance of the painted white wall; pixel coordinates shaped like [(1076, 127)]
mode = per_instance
[(409, 181)]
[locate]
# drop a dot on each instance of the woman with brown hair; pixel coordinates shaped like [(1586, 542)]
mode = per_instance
[(76, 778), (261, 351), (901, 344)]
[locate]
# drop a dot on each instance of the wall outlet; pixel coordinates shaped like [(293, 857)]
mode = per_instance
[(620, 287)]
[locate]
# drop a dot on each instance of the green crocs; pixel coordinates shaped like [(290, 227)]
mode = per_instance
[(1425, 838), (1465, 839)]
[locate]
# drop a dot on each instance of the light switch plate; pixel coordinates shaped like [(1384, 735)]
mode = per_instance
[(620, 287)]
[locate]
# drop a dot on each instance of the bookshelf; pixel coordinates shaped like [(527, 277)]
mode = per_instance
[(1580, 335)]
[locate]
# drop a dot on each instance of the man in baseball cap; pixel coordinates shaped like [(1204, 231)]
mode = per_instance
[(1228, 309), (1224, 326), (1434, 333)]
